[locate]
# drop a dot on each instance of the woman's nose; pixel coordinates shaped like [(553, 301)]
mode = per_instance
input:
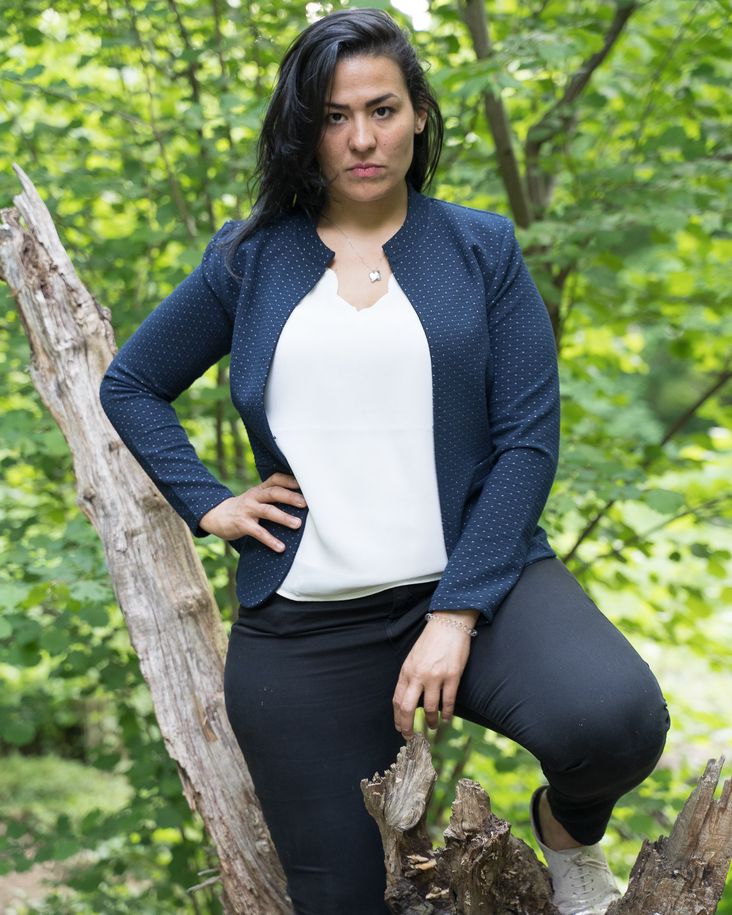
[(362, 136)]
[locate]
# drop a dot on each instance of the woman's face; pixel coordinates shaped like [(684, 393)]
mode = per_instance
[(369, 118)]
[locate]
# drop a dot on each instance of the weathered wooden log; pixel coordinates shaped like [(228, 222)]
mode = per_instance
[(483, 870), (173, 621)]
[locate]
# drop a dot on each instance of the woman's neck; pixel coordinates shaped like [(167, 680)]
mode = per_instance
[(367, 218)]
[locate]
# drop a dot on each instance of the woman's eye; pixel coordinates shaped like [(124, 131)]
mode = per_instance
[(338, 114)]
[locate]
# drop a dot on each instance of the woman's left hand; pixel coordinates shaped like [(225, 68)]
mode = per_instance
[(433, 666)]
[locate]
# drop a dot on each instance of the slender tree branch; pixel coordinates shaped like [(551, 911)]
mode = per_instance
[(653, 82), (474, 15), (561, 115), (175, 189), (568, 277), (697, 509), (684, 418), (194, 83), (611, 126), (722, 379), (225, 85)]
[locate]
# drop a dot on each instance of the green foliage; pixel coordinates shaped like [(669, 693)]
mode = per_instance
[(138, 122)]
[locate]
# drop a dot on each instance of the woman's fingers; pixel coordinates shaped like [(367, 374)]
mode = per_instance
[(281, 480), (263, 535), (449, 692), (405, 705), (406, 700), (431, 704), (266, 509), (241, 515), (272, 513), (433, 666), (260, 504), (280, 493)]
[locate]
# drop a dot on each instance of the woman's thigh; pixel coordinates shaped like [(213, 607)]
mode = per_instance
[(554, 674), (308, 693)]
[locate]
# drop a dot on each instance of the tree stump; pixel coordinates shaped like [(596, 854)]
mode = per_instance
[(484, 870)]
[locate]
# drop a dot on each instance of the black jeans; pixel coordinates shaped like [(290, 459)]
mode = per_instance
[(309, 685)]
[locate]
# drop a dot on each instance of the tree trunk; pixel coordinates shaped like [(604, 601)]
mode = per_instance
[(484, 870), (173, 621), (176, 631)]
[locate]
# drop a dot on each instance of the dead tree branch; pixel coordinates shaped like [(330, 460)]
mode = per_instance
[(173, 621)]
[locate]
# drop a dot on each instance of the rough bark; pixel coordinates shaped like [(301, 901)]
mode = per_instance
[(483, 870), (685, 873), (173, 621)]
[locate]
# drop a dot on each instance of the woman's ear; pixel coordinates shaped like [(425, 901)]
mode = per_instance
[(420, 119)]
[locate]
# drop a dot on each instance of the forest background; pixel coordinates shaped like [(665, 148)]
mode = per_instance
[(137, 122)]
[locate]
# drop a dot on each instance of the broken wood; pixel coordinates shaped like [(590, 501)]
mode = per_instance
[(685, 873), (483, 870)]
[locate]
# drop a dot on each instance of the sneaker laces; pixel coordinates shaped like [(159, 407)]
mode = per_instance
[(582, 872)]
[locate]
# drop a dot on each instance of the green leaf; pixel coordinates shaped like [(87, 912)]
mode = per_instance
[(96, 615), (664, 501), (54, 641), (18, 732)]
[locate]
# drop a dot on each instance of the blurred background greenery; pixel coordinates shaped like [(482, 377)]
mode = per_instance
[(137, 123)]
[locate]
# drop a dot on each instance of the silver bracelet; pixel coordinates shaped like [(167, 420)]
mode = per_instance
[(452, 622)]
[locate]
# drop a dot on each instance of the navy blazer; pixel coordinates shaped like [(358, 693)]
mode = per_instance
[(495, 386)]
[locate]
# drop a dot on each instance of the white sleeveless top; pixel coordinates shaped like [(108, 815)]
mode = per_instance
[(349, 400)]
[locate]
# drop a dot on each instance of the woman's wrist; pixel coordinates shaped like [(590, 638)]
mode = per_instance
[(458, 619), (462, 616)]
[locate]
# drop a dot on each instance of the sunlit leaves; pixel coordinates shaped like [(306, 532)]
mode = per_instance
[(141, 139)]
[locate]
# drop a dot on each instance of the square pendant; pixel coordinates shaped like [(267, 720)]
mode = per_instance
[(375, 275)]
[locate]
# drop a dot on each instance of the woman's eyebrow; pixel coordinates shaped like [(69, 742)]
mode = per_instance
[(374, 101)]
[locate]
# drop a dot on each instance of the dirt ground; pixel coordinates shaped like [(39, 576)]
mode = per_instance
[(21, 893)]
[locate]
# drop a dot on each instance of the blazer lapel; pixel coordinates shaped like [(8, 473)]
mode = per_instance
[(450, 303), (446, 302)]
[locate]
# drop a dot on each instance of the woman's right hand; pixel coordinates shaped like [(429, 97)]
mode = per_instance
[(239, 515)]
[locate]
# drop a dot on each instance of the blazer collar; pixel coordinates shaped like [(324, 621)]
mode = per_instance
[(305, 236)]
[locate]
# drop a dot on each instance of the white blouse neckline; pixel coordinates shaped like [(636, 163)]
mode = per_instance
[(334, 283)]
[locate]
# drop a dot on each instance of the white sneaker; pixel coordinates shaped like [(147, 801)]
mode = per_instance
[(581, 879)]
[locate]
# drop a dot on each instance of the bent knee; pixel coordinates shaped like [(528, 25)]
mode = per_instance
[(618, 733)]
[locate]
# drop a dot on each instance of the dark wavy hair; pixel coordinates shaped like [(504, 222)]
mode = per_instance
[(287, 171)]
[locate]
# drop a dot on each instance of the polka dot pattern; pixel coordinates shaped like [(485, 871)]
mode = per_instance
[(495, 386)]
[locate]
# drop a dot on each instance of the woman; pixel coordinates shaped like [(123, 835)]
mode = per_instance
[(395, 368)]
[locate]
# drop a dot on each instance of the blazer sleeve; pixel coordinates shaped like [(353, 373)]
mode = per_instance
[(189, 331), (524, 413)]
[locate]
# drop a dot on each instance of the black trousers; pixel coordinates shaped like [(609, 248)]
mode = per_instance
[(308, 689)]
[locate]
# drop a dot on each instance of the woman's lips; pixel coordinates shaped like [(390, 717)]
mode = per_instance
[(366, 172)]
